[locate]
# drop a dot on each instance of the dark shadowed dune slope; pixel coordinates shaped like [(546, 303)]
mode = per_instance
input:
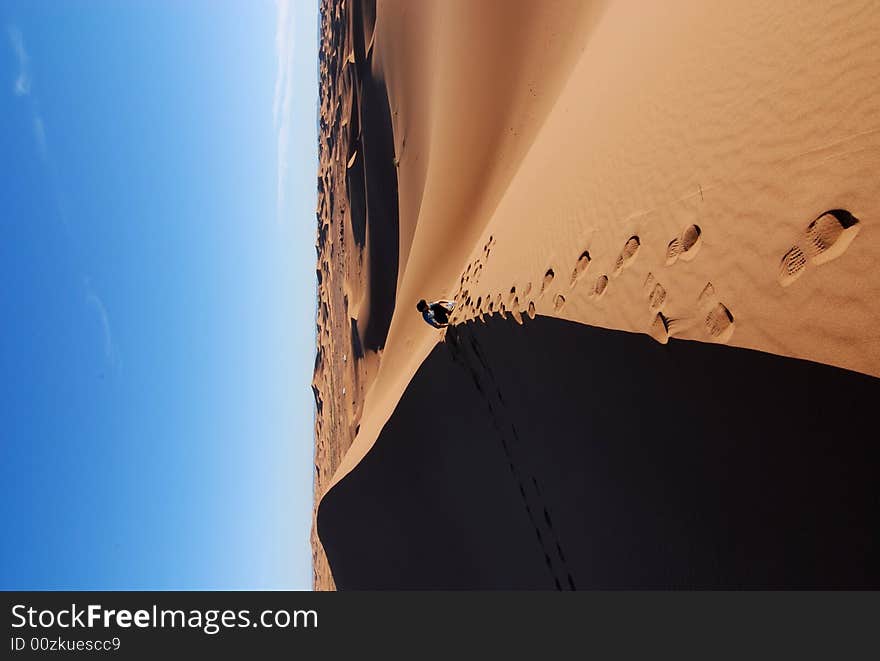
[(556, 455)]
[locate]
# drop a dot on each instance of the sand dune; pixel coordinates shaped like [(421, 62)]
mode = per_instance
[(682, 175)]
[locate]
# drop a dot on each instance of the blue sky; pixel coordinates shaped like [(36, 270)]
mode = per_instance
[(158, 170)]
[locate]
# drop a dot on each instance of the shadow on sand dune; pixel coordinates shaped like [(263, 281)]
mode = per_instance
[(557, 455), (373, 199), (383, 223)]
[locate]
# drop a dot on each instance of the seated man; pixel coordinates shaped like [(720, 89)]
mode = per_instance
[(436, 313)]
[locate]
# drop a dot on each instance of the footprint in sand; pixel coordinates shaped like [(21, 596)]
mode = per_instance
[(548, 278), (627, 255), (717, 319), (488, 247), (825, 239), (559, 302), (514, 311), (685, 246), (600, 286), (792, 266), (580, 267), (659, 328), (719, 323), (482, 313), (527, 290), (512, 296), (478, 270), (657, 297), (531, 311)]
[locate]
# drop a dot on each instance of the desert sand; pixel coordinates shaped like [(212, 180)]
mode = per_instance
[(656, 221)]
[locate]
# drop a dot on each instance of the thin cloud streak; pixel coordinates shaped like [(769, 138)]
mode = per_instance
[(283, 97), (22, 85), (40, 136), (111, 352)]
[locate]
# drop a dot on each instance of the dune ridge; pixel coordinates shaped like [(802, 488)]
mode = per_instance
[(669, 170)]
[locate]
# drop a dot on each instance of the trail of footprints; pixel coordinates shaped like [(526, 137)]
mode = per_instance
[(716, 318), (824, 239), (465, 306), (466, 351), (518, 303)]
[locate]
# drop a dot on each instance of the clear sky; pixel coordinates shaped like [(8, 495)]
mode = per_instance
[(157, 293)]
